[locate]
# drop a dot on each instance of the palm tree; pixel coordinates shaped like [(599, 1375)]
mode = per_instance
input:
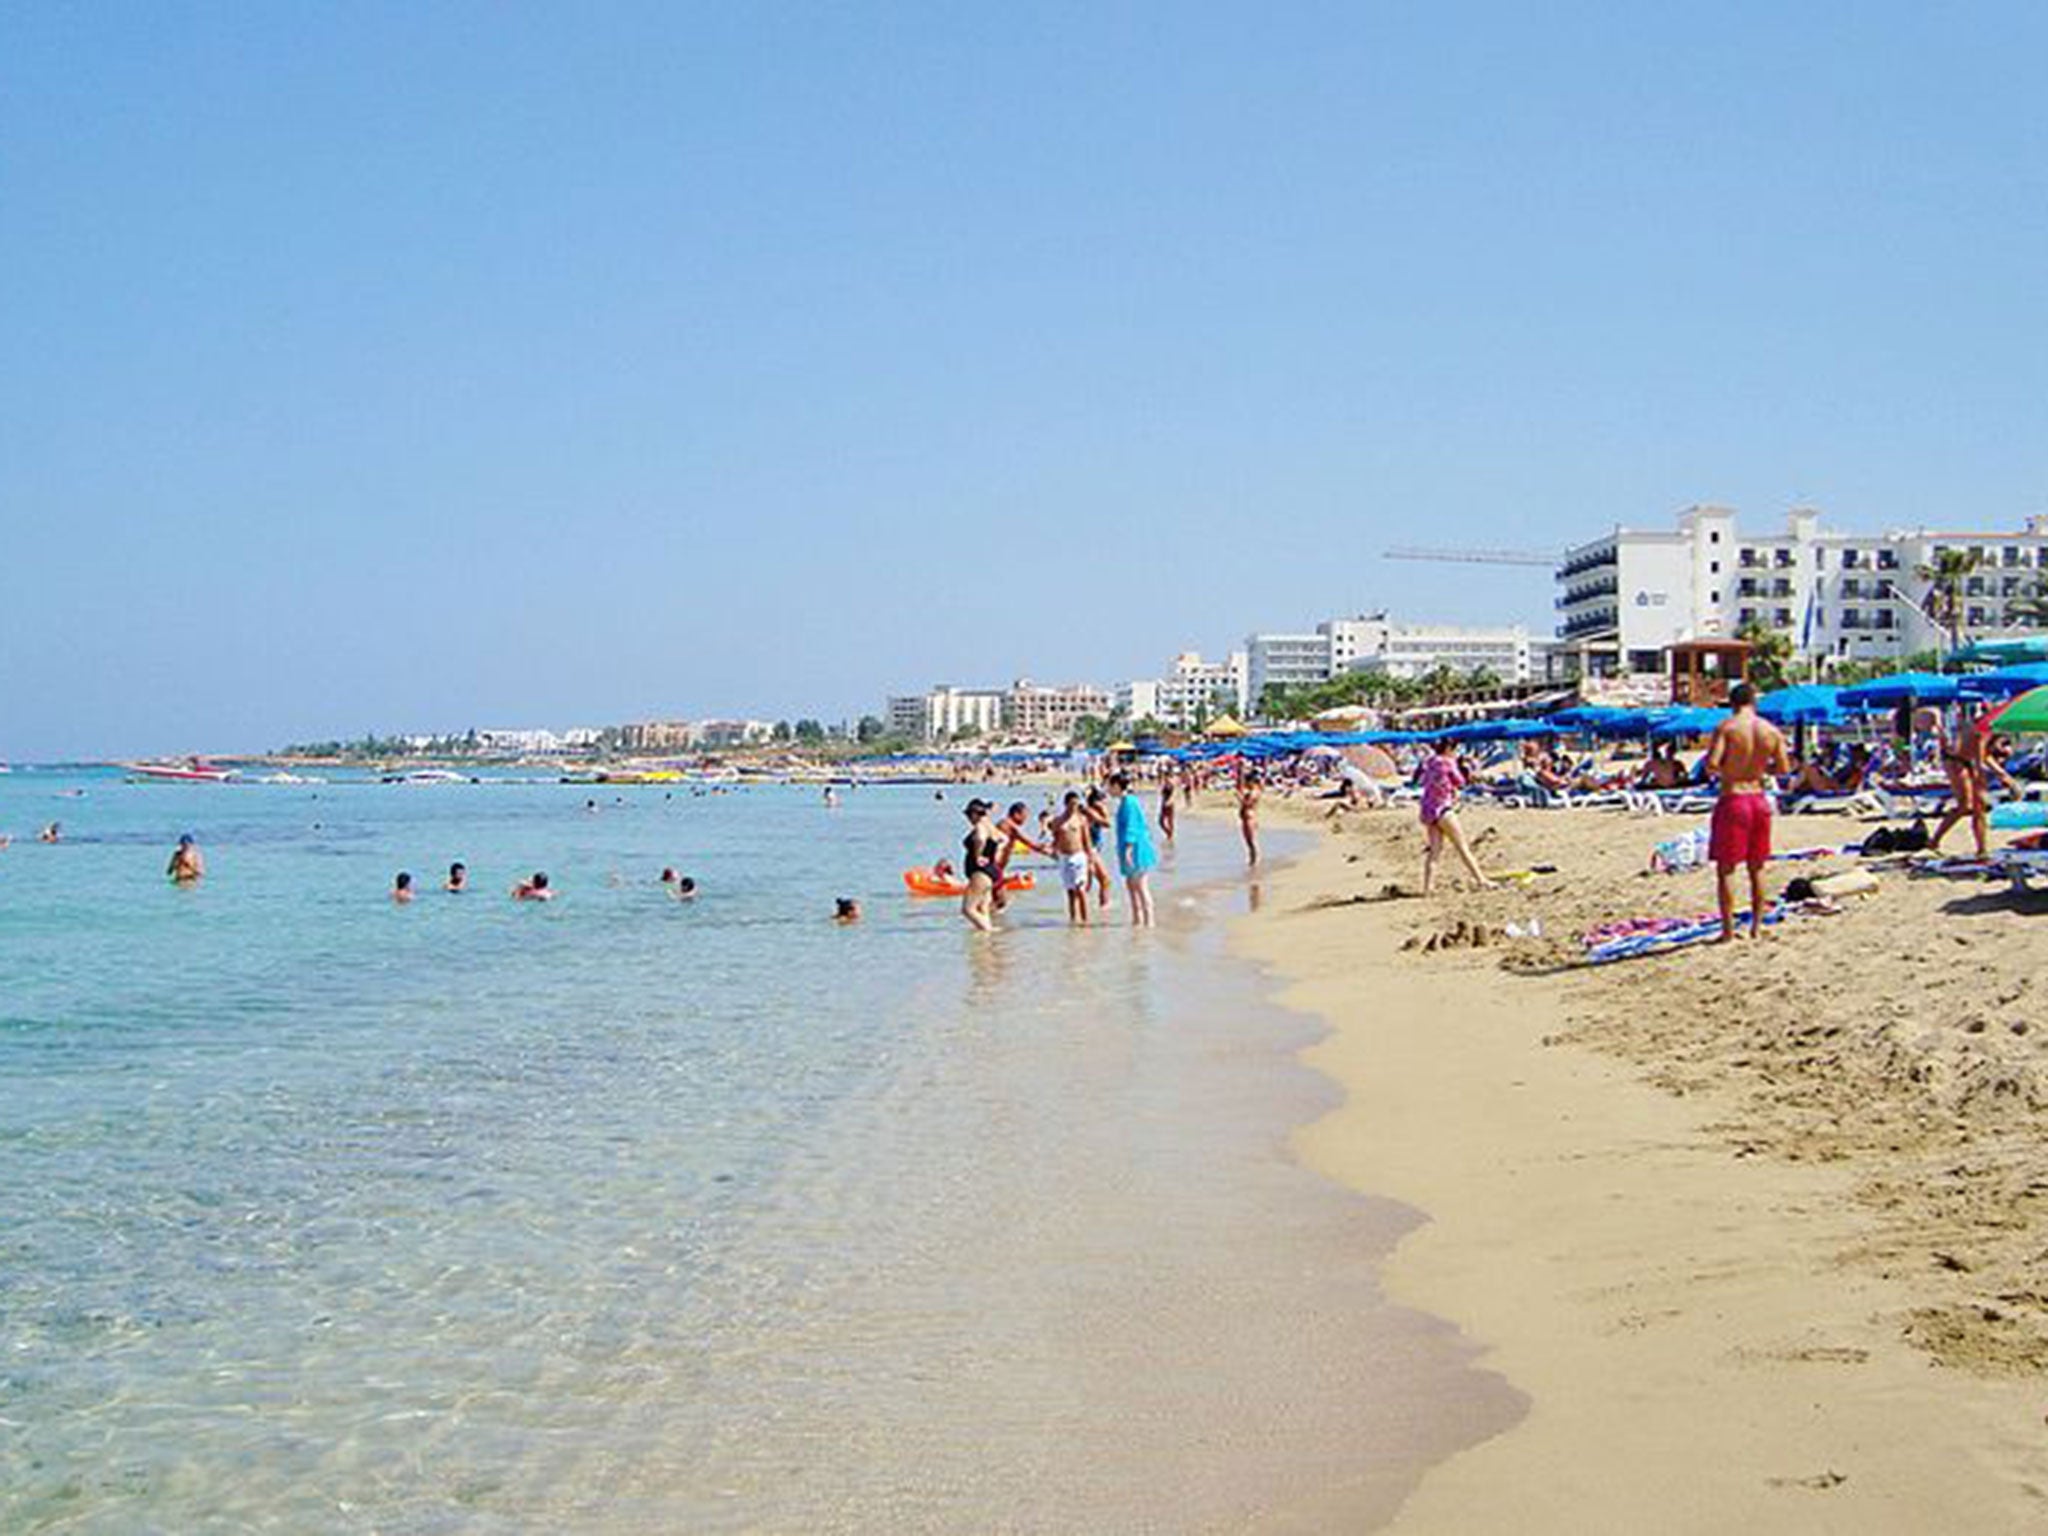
[(1770, 654), (1945, 579)]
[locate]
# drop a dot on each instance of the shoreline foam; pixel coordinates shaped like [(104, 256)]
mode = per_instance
[(1700, 1352)]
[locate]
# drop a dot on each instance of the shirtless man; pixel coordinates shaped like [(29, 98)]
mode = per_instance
[(1072, 843), (1011, 830), (1248, 790), (1746, 752), (186, 867)]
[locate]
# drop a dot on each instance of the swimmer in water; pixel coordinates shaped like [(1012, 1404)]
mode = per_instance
[(187, 867), (458, 877), (831, 798), (52, 833), (845, 910), (534, 888), (401, 888), (685, 889)]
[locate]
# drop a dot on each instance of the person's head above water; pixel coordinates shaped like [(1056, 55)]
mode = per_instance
[(539, 881), (846, 910), (686, 886), (668, 876), (186, 839), (402, 881), (1742, 696)]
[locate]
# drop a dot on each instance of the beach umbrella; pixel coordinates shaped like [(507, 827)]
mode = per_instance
[(1901, 688), (1625, 724), (1805, 704), (2026, 715), (1676, 723), (2006, 682), (1225, 728), (1580, 717), (2018, 648)]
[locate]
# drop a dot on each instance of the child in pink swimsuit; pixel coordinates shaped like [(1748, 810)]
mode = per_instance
[(1442, 779)]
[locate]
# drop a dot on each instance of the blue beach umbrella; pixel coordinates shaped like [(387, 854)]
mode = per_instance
[(1677, 723), (1901, 688), (2006, 682), (2018, 648), (1805, 704)]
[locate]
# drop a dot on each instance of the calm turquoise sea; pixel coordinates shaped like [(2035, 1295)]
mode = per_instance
[(618, 1213)]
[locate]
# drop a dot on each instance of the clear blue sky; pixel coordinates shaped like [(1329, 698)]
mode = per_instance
[(413, 367)]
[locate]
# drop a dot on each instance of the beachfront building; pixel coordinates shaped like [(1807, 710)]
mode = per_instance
[(1284, 660), (733, 733), (1192, 692), (657, 736), (1374, 643), (1046, 712), (944, 713), (1625, 598)]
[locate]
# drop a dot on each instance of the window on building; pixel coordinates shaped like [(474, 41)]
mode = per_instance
[(1978, 616), (1782, 618), (1851, 559), (1745, 616), (1784, 559), (1713, 535), (1714, 597), (1852, 618), (1887, 559), (1713, 567)]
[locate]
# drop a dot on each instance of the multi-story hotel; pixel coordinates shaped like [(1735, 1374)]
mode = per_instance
[(1192, 691), (1375, 643), (1039, 710), (1625, 598), (945, 712)]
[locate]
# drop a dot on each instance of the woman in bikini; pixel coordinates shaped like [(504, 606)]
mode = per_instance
[(1967, 760)]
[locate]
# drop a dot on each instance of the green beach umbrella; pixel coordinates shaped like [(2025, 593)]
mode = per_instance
[(2026, 715)]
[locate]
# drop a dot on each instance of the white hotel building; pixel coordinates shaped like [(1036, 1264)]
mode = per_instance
[(1374, 643), (1192, 691), (1624, 598)]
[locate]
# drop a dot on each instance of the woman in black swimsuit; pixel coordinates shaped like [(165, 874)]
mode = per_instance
[(983, 866)]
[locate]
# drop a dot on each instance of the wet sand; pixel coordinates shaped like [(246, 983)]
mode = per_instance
[(1757, 1228)]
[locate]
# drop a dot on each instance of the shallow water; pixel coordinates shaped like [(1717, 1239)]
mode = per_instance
[(626, 1214)]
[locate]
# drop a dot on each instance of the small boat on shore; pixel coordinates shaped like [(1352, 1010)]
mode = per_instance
[(193, 770)]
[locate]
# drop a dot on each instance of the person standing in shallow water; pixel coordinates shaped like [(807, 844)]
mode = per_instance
[(1249, 789), (1135, 855), (187, 867), (983, 866), (1166, 807)]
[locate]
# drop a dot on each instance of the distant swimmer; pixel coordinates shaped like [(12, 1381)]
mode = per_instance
[(590, 807), (685, 888), (54, 832), (1166, 807), (533, 888), (186, 867), (458, 877), (831, 798), (1073, 845), (845, 910), (401, 888)]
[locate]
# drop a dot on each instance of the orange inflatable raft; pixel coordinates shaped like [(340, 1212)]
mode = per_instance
[(923, 882)]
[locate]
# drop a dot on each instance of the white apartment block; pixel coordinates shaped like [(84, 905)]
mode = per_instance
[(944, 712), (1036, 709), (1193, 691), (1287, 660), (1627, 596), (1374, 643), (734, 733)]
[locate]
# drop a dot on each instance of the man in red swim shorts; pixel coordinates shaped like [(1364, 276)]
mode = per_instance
[(1746, 751)]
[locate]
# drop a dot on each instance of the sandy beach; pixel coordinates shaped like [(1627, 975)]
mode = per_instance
[(1758, 1229)]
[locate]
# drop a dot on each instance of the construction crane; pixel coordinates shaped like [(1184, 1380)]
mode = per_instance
[(1477, 556)]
